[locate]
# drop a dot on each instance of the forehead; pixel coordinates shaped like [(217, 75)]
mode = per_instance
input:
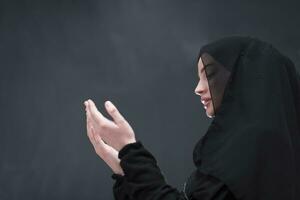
[(200, 64)]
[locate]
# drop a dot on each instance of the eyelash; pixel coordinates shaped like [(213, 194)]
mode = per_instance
[(209, 75)]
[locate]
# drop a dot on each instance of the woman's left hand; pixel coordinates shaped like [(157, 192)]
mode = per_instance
[(116, 133)]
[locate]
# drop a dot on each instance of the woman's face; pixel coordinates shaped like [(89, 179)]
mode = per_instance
[(202, 89)]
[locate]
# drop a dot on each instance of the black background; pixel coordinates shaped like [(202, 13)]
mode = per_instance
[(138, 54)]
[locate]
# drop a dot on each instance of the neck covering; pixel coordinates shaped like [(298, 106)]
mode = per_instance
[(253, 141)]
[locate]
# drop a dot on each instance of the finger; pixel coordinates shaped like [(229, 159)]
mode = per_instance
[(99, 140), (103, 146), (86, 104), (114, 112), (89, 130), (100, 146), (93, 108), (95, 119), (95, 114), (107, 153), (88, 112)]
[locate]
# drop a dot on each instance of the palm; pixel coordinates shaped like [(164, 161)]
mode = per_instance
[(103, 150), (116, 133)]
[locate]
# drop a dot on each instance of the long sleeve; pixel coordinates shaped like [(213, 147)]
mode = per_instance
[(119, 187), (143, 180), (205, 187)]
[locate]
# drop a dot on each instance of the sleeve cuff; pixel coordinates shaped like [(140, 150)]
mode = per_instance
[(117, 176), (135, 145)]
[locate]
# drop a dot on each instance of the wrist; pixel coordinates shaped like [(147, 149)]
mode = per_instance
[(119, 172), (126, 143)]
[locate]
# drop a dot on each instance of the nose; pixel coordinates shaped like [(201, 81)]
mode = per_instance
[(200, 88)]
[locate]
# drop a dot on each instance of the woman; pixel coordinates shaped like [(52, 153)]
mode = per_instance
[(251, 149)]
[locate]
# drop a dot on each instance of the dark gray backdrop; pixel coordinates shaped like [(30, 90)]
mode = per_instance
[(138, 54)]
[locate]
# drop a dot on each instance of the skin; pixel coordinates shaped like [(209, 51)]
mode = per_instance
[(202, 89), (108, 137)]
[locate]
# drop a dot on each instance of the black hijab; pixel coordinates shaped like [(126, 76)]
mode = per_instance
[(253, 142)]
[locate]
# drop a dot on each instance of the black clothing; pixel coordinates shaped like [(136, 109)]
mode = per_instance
[(253, 142), (252, 145), (144, 180), (219, 59)]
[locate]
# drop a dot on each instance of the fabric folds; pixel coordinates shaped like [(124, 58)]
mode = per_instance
[(143, 179)]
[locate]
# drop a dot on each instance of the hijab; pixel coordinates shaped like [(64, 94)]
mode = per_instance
[(253, 142)]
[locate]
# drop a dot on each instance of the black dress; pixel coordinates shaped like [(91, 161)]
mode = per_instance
[(144, 180)]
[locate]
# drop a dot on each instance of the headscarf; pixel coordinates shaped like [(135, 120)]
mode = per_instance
[(253, 142)]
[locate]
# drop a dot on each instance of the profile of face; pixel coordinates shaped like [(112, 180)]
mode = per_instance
[(202, 89)]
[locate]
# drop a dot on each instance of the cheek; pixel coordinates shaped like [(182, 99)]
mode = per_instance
[(206, 83), (207, 86), (203, 81)]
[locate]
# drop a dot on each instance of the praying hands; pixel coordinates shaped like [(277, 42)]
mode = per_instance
[(106, 136)]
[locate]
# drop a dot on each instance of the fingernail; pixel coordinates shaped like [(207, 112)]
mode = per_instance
[(107, 104)]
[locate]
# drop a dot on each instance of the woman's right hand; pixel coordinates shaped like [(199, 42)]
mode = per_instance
[(107, 153)]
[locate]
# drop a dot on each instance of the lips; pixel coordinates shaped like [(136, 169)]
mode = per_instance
[(205, 101)]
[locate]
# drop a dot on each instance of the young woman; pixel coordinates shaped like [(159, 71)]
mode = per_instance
[(251, 149)]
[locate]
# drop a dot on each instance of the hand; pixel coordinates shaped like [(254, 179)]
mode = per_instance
[(106, 152), (116, 133)]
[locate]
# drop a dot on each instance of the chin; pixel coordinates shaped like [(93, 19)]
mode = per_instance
[(209, 113)]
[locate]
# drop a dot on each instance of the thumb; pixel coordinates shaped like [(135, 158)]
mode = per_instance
[(114, 113)]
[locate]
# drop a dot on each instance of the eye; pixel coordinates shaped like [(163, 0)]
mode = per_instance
[(210, 74)]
